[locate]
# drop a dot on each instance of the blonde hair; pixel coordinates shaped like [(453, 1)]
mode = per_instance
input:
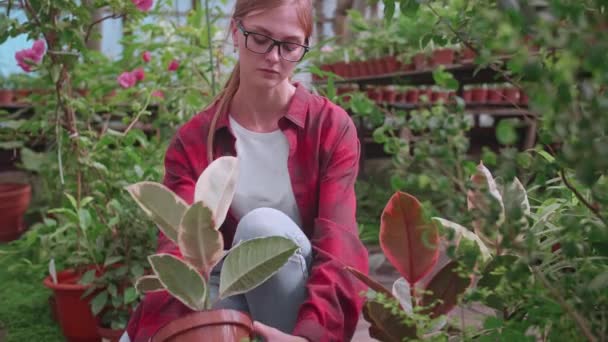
[(242, 9)]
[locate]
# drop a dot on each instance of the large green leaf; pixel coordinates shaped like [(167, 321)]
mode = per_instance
[(181, 280), (216, 187), (461, 231), (443, 290), (148, 283), (252, 262), (408, 239), (163, 206), (200, 243)]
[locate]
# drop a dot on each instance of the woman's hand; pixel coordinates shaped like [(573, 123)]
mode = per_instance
[(271, 334)]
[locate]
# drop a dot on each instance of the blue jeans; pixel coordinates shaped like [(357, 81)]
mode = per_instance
[(276, 301)]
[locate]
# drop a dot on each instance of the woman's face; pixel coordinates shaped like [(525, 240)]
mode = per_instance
[(268, 70)]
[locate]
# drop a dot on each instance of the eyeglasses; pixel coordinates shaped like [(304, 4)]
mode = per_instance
[(262, 44)]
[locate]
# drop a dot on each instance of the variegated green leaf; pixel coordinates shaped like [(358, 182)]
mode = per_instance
[(252, 262), (181, 280), (216, 187), (163, 206), (200, 243), (461, 231), (148, 283)]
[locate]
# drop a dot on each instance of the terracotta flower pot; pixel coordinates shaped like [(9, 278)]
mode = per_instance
[(6, 96), (442, 57), (14, 201), (109, 335), (214, 325), (75, 317)]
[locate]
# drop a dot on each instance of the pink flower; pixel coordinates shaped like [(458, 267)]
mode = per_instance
[(173, 65), (26, 58), (146, 56), (127, 79), (158, 93), (143, 5), (139, 74)]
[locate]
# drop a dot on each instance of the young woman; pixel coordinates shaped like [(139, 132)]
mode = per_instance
[(298, 161)]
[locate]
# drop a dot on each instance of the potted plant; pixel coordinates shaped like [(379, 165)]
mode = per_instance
[(427, 287), (431, 285), (195, 230)]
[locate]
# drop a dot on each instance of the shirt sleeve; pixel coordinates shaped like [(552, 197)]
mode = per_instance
[(335, 299)]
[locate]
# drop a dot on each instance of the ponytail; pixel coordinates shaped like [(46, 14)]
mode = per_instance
[(224, 98)]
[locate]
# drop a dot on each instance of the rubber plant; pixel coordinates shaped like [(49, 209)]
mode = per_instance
[(411, 243), (195, 230)]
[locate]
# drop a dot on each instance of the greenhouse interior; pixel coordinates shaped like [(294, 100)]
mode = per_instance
[(299, 170)]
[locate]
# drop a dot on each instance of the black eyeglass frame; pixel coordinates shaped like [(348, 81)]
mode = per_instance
[(275, 42)]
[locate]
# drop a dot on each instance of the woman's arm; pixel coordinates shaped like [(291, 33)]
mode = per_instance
[(334, 302)]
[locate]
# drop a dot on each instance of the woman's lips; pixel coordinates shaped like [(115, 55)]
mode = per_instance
[(269, 71)]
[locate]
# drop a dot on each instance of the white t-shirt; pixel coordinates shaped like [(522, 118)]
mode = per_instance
[(263, 179)]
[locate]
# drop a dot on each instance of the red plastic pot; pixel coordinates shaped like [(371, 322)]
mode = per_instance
[(426, 92), (214, 325), (419, 61), (442, 57), (412, 96), (389, 95), (495, 96), (407, 67), (467, 55), (437, 96), (480, 95), (14, 201), (467, 95), (391, 64), (511, 95), (6, 96), (401, 97), (75, 317)]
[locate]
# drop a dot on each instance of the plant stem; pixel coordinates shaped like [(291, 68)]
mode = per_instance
[(581, 198)]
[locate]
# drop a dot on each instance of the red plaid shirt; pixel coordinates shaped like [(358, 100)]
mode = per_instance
[(323, 164)]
